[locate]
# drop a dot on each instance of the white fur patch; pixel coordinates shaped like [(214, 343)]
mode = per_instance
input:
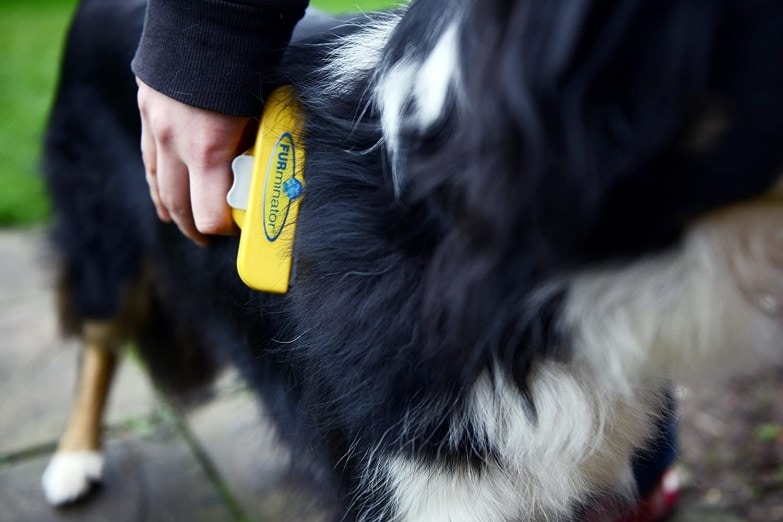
[(410, 91), (358, 55), (70, 474), (437, 73), (393, 92), (634, 328), (580, 443), (718, 296), (414, 92)]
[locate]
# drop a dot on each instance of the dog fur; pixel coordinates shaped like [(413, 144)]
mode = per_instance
[(523, 221)]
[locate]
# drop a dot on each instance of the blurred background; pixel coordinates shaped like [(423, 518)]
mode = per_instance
[(216, 463), (31, 37)]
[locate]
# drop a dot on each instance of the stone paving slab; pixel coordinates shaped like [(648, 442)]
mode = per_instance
[(152, 472), (153, 478), (34, 405), (37, 367), (148, 478), (20, 249), (244, 450)]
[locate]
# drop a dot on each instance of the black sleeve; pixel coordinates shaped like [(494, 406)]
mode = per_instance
[(213, 54)]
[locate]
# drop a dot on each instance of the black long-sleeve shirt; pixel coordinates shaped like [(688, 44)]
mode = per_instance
[(214, 54)]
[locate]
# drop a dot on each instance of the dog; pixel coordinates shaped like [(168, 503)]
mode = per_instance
[(523, 220)]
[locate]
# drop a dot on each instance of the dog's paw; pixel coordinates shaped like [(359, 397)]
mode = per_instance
[(70, 475)]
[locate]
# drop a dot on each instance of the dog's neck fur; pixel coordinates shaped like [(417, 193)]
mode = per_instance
[(540, 161)]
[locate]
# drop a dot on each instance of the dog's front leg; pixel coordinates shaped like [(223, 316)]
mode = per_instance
[(78, 462)]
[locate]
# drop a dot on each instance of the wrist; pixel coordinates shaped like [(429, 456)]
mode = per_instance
[(213, 54)]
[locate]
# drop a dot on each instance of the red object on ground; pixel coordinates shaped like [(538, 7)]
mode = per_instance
[(659, 503), (653, 508)]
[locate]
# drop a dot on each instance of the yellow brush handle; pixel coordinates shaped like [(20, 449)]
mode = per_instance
[(266, 244)]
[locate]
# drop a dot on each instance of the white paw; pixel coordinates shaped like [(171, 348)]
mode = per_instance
[(69, 475)]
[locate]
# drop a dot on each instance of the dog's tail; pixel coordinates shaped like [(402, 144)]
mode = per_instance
[(181, 364)]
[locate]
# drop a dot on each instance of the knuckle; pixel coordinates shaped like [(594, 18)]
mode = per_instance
[(151, 170), (174, 205), (143, 103), (206, 153), (164, 134)]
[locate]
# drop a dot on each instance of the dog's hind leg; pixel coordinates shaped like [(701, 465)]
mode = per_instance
[(78, 462)]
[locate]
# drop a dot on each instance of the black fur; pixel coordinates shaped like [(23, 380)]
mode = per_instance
[(575, 149)]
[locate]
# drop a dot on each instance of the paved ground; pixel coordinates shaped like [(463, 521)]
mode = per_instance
[(217, 463)]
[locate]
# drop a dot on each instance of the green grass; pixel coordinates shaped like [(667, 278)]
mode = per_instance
[(31, 37), (339, 6)]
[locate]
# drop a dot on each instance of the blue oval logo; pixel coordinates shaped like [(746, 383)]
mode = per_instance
[(281, 186)]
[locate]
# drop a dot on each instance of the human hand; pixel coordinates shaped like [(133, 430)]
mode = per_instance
[(187, 155)]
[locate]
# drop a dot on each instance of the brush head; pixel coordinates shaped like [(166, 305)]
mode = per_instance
[(268, 186)]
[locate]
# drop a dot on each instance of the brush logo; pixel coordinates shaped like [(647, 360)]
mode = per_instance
[(281, 187)]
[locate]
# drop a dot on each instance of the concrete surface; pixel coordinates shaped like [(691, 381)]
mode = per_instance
[(217, 463)]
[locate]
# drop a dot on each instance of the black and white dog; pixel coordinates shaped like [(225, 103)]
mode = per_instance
[(523, 220)]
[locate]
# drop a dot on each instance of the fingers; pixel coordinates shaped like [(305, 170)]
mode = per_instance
[(174, 187), (209, 184), (149, 155), (187, 155)]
